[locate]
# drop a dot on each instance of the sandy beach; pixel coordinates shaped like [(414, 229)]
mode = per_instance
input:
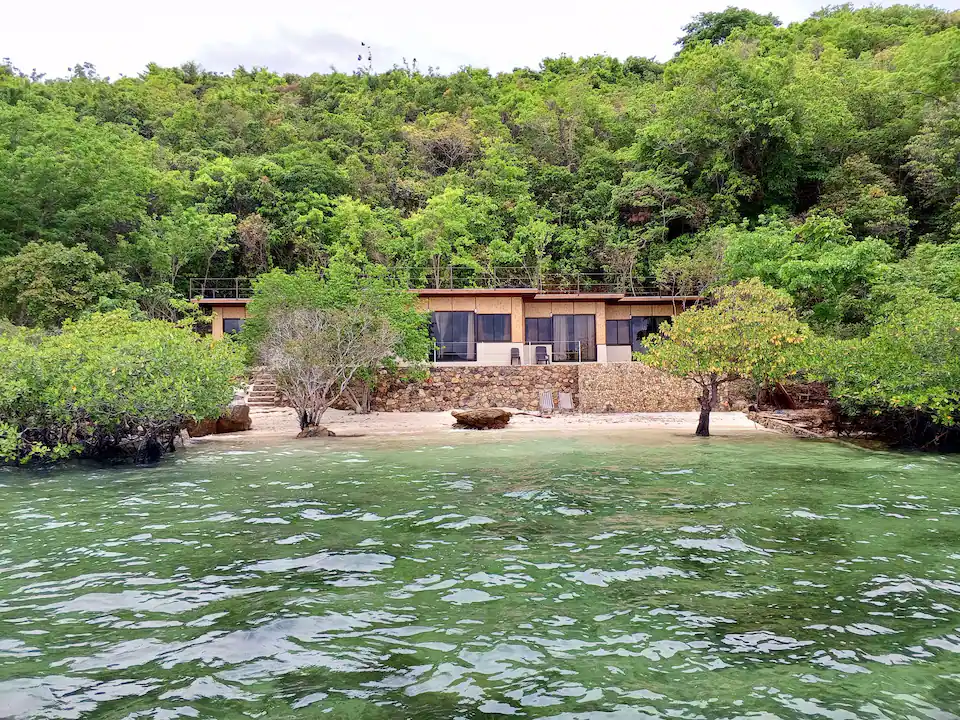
[(281, 423)]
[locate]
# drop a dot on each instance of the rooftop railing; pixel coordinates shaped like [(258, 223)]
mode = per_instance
[(464, 278)]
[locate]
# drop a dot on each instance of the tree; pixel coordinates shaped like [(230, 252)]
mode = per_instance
[(316, 353), (907, 368), (827, 271), (320, 334), (108, 384), (47, 283), (715, 27), (750, 332)]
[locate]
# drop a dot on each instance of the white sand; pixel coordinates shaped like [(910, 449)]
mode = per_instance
[(281, 423)]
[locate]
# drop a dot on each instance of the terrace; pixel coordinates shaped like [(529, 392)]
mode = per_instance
[(506, 280)]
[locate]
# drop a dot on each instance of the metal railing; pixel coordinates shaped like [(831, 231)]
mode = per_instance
[(559, 351), (465, 278), (221, 288), (454, 352)]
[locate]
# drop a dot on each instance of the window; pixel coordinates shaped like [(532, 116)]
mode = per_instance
[(574, 338), (641, 327), (618, 332), (493, 328), (539, 330), (455, 335), (231, 326)]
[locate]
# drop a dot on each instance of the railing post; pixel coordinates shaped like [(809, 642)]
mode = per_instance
[(451, 276), (236, 288)]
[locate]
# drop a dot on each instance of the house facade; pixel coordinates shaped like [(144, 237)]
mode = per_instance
[(564, 323)]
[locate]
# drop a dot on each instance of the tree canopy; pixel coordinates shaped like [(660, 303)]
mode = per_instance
[(750, 332)]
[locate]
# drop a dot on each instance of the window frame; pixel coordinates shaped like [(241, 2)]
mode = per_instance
[(505, 318), (238, 321), (540, 323), (621, 333), (469, 353)]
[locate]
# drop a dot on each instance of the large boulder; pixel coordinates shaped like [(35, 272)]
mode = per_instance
[(202, 428), (236, 419), (313, 431), (482, 419)]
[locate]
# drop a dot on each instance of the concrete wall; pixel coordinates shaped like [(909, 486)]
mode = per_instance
[(497, 353), (619, 353)]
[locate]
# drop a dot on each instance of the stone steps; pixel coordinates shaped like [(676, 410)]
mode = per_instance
[(263, 392)]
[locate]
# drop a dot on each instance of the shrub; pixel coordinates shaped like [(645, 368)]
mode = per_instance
[(108, 385)]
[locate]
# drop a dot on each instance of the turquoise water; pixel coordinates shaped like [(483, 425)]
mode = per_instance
[(599, 577)]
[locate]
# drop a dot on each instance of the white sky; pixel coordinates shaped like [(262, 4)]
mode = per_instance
[(121, 37)]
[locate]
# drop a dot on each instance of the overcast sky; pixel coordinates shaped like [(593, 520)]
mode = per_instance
[(121, 37)]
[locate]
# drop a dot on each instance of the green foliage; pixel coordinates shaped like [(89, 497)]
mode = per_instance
[(107, 384), (822, 157), (340, 287), (819, 262), (47, 283), (715, 27), (909, 362), (751, 331)]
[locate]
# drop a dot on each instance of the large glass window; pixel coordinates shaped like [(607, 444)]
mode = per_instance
[(455, 336), (642, 327), (574, 338), (493, 328), (618, 332), (231, 326), (539, 330)]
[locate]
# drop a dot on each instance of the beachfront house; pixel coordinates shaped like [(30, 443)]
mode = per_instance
[(508, 316)]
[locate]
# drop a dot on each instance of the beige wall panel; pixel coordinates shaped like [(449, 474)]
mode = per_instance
[(421, 304), (440, 304), (516, 319), (619, 353), (536, 309), (561, 308), (490, 305), (464, 304), (217, 326), (618, 312), (600, 309), (650, 310)]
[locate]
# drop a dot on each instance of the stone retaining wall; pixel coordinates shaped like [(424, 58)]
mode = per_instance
[(634, 387), (602, 387), (449, 388)]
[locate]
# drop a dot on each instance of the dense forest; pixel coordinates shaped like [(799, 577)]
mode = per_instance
[(822, 157)]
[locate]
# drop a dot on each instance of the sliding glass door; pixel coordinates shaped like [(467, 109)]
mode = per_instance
[(455, 336), (574, 338)]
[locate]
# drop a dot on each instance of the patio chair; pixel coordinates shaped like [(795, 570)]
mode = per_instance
[(514, 356), (541, 355), (546, 402), (566, 401)]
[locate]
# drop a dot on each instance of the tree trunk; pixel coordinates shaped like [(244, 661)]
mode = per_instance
[(706, 404)]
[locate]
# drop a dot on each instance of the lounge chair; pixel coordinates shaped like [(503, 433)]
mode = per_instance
[(514, 356), (542, 357), (546, 402), (566, 401)]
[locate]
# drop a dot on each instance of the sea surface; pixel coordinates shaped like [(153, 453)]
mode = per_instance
[(603, 576)]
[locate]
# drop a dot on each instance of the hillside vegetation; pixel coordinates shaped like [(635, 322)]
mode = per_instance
[(822, 158)]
